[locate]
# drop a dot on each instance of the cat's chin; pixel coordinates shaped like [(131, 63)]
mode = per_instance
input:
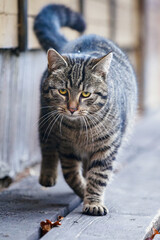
[(73, 117)]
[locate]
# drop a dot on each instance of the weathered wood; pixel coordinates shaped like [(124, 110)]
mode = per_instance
[(35, 6), (22, 25), (152, 54), (81, 6), (132, 198), (8, 23), (97, 17), (24, 205), (19, 110), (10, 7), (8, 31), (127, 23)]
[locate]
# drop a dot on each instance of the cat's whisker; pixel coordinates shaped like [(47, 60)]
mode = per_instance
[(99, 119), (55, 120), (86, 128), (97, 127), (60, 124), (38, 121), (90, 129), (94, 125), (46, 118), (56, 114), (99, 122)]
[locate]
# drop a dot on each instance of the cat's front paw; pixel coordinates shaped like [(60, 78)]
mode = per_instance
[(95, 209), (47, 180)]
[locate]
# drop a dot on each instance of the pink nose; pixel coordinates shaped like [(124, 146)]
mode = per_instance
[(72, 110)]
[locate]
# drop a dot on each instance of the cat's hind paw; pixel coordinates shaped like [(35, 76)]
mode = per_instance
[(95, 209), (47, 180)]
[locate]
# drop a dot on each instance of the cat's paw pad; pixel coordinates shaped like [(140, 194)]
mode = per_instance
[(47, 181), (95, 209)]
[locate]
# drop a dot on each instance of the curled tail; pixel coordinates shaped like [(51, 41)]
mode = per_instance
[(48, 22)]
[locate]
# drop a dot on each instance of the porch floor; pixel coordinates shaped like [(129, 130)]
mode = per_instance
[(133, 197)]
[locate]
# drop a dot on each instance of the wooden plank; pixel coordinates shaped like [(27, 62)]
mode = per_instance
[(22, 25), (19, 110), (25, 204), (10, 6), (2, 6), (32, 39), (99, 29), (81, 6), (8, 26), (4, 92), (96, 10), (35, 6), (132, 198), (127, 22), (151, 53)]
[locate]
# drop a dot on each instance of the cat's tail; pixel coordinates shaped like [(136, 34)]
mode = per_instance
[(48, 22)]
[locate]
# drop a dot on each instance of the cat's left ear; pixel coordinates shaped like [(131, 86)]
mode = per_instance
[(55, 60), (103, 64)]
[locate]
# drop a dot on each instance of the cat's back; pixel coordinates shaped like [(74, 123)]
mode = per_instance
[(92, 44)]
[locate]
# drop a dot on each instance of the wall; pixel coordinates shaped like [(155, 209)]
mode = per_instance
[(19, 109), (152, 55), (8, 23)]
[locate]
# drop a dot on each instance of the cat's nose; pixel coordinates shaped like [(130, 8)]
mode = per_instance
[(72, 107), (72, 110)]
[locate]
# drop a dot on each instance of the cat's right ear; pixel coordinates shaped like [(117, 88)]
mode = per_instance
[(55, 60), (103, 64)]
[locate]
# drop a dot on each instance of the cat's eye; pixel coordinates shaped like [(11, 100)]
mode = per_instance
[(85, 94), (63, 91)]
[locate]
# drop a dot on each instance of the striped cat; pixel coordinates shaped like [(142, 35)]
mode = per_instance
[(88, 102)]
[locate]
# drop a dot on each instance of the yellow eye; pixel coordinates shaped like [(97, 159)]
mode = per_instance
[(63, 91), (85, 94)]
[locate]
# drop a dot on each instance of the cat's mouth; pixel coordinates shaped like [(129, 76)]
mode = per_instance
[(73, 114)]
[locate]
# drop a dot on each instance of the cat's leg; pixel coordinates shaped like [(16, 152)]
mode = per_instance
[(71, 167), (49, 164), (98, 175)]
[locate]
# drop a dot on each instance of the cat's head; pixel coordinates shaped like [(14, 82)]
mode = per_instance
[(76, 85)]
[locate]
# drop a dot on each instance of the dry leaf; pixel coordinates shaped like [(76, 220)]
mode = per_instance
[(155, 232), (47, 225)]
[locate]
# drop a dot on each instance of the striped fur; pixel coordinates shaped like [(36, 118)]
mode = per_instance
[(86, 141)]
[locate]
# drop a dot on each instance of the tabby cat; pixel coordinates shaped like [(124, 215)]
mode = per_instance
[(88, 102)]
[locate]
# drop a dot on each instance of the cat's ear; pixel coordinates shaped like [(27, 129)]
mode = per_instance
[(55, 60), (102, 64)]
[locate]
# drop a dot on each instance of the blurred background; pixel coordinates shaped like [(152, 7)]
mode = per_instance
[(133, 25)]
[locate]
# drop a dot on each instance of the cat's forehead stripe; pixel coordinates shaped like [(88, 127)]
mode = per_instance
[(76, 74)]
